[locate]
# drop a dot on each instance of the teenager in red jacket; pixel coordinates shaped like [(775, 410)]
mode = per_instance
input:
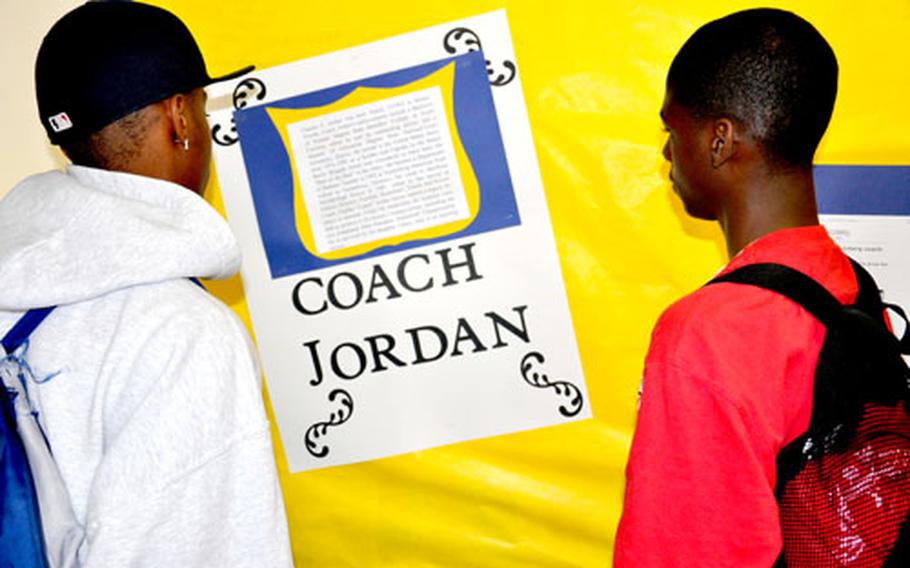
[(729, 374)]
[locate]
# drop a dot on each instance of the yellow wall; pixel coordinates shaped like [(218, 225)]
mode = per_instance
[(592, 74)]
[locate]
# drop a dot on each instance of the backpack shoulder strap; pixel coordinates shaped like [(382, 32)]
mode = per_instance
[(790, 283), (859, 327), (814, 297), (869, 297), (23, 328), (870, 301)]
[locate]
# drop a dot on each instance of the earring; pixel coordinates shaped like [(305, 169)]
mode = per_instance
[(186, 144)]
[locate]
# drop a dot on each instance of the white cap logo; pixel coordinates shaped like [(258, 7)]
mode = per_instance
[(60, 122)]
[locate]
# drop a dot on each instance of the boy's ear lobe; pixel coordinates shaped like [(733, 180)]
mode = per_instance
[(723, 141), (176, 110)]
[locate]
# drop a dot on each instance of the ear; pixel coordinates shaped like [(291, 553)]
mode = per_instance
[(177, 109), (723, 141)]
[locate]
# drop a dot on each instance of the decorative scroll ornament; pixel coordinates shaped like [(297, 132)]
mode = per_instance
[(530, 364), (462, 40), (247, 91), (338, 417)]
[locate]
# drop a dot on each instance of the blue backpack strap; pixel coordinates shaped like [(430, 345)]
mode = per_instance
[(24, 327)]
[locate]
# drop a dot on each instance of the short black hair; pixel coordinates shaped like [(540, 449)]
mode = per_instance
[(112, 147), (767, 69)]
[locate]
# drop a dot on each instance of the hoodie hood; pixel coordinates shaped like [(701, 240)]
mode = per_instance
[(70, 236)]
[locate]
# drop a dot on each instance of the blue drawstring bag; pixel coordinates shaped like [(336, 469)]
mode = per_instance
[(28, 474), (21, 536)]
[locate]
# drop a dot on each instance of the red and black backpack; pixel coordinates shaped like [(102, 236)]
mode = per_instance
[(843, 487)]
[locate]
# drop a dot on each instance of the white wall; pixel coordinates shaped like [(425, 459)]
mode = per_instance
[(24, 148)]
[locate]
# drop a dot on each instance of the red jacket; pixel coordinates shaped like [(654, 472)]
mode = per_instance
[(727, 384)]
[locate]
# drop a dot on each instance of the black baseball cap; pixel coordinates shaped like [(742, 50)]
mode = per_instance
[(104, 60)]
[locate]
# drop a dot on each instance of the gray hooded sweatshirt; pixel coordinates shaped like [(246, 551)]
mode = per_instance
[(147, 386)]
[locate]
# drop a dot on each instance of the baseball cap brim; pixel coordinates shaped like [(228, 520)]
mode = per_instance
[(233, 75)]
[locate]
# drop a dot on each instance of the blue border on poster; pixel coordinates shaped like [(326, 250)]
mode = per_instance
[(863, 190), (271, 179)]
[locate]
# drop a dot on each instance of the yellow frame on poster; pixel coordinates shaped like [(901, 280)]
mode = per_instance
[(444, 80)]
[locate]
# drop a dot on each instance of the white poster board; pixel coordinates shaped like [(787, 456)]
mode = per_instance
[(399, 262)]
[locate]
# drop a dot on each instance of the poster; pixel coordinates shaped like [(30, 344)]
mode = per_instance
[(399, 261), (866, 209)]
